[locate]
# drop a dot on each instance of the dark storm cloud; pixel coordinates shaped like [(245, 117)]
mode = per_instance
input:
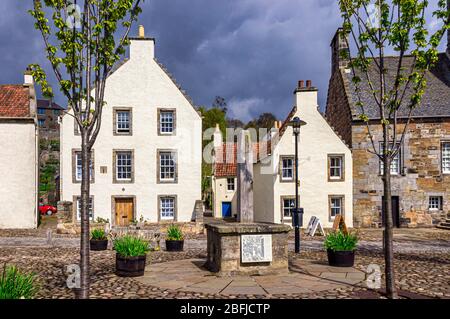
[(252, 52)]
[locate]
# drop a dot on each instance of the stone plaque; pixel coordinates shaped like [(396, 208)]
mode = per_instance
[(256, 248)]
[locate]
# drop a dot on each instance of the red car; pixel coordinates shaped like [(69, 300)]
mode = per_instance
[(47, 210)]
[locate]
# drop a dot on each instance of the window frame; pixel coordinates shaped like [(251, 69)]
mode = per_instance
[(228, 184), (174, 121), (175, 208), (444, 172), (341, 178), (117, 110), (281, 166), (399, 158), (115, 170), (282, 207), (439, 203), (331, 218), (76, 131), (158, 166), (41, 111), (75, 152), (77, 208)]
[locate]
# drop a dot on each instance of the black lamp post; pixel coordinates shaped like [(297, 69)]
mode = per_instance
[(298, 212)]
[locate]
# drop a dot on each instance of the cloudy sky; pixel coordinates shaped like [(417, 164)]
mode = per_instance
[(251, 52)]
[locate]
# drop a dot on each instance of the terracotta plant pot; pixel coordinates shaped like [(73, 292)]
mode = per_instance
[(130, 266), (174, 245), (341, 258), (97, 245)]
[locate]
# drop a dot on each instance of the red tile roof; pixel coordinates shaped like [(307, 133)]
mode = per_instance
[(226, 164), (287, 121), (14, 101)]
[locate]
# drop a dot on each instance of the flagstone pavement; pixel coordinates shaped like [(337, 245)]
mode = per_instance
[(305, 276)]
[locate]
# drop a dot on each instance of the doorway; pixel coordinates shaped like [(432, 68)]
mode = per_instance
[(124, 211), (395, 211), (226, 209)]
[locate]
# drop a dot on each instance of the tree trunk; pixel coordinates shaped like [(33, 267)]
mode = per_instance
[(85, 195), (388, 222)]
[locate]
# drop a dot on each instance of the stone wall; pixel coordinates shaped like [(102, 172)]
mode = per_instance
[(420, 176), (224, 249), (338, 112)]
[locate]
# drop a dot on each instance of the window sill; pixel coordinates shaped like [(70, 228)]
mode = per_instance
[(162, 181), (336, 179), (287, 180), (123, 181)]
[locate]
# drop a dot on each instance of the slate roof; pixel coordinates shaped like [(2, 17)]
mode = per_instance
[(435, 101), (47, 104), (14, 101)]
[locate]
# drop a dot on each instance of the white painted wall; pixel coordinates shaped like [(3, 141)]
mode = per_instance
[(222, 194), (140, 83), (18, 185), (317, 140)]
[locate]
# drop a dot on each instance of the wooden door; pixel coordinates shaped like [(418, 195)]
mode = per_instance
[(124, 211)]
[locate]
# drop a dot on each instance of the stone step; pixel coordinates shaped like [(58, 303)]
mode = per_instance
[(443, 226)]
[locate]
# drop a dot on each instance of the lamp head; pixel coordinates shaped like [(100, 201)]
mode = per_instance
[(296, 124)]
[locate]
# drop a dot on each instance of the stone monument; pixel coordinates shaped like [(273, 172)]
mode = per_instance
[(246, 247)]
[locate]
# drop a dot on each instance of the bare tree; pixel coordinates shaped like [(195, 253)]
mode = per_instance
[(82, 49), (375, 27)]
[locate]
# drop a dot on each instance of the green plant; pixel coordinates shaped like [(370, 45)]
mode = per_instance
[(15, 284), (102, 220), (339, 241), (129, 246), (98, 234), (174, 233)]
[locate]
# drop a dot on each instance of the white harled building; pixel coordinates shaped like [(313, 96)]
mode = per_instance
[(147, 157), (325, 169)]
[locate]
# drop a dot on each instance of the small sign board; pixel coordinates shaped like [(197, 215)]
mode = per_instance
[(339, 224), (256, 248), (314, 225)]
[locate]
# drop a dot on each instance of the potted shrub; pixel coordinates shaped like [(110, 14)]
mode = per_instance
[(131, 255), (341, 248), (99, 240), (174, 239)]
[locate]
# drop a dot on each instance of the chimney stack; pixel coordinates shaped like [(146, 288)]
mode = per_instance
[(308, 84), (28, 77), (301, 82), (448, 33), (142, 47), (338, 47)]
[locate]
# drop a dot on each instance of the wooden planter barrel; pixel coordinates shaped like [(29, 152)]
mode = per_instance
[(174, 245), (130, 266), (97, 245), (341, 258)]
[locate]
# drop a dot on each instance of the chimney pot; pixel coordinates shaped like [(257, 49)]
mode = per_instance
[(308, 84), (301, 84), (141, 31)]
